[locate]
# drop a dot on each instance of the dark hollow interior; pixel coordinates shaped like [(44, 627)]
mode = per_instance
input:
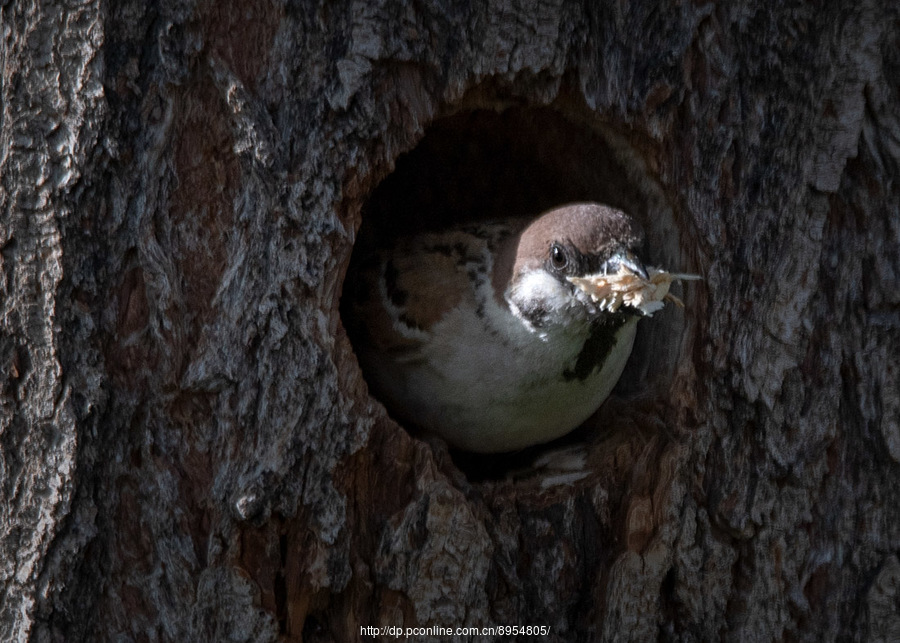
[(483, 164)]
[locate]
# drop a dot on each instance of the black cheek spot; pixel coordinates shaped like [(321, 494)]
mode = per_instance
[(535, 313), (409, 321)]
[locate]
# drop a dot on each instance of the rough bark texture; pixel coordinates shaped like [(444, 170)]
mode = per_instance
[(187, 448)]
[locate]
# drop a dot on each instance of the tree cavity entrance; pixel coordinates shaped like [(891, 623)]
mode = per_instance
[(483, 164)]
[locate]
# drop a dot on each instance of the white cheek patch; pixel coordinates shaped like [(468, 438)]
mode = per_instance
[(539, 285), (537, 293)]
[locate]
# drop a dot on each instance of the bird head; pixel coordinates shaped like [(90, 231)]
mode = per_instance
[(555, 252)]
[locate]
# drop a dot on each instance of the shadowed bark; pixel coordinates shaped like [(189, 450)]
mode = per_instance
[(188, 450)]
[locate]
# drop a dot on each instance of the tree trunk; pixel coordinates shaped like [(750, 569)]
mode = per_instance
[(188, 450)]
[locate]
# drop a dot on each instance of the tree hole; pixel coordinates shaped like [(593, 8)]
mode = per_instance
[(483, 164)]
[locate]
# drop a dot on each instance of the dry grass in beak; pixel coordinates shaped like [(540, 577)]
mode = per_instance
[(629, 289)]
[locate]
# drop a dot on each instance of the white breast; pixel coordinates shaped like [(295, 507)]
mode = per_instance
[(488, 391)]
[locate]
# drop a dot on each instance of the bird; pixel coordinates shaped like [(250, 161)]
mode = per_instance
[(484, 334)]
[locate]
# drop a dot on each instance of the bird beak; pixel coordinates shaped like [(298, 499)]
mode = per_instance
[(625, 259)]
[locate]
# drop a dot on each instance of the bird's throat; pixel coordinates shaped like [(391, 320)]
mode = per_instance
[(597, 347)]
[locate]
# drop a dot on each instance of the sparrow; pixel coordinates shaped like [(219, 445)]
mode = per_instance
[(485, 333)]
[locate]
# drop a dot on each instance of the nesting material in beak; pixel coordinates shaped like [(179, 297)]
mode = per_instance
[(626, 287)]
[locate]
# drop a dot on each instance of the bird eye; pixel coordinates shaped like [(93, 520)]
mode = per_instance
[(558, 257)]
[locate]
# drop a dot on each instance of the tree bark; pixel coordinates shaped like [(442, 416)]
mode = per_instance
[(188, 450)]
